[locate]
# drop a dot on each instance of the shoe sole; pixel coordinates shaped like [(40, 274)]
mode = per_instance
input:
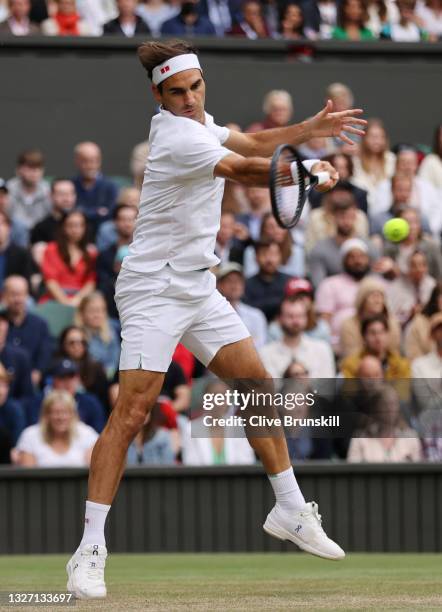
[(282, 534), (71, 588)]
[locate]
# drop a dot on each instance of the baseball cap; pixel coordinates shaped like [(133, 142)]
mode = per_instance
[(227, 268), (3, 186), (64, 367), (353, 244), (295, 286), (435, 321)]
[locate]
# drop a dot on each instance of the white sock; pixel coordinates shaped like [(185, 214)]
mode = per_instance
[(95, 518), (287, 492)]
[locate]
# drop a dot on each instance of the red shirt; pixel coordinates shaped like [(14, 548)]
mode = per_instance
[(70, 280)]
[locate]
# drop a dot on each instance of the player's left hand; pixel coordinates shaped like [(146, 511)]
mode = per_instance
[(338, 125), (324, 166)]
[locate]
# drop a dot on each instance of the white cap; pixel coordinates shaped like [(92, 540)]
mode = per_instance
[(352, 244), (163, 71)]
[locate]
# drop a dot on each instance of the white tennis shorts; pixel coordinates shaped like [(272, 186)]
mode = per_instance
[(160, 309)]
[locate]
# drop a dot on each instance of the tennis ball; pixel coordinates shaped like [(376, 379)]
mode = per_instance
[(396, 229)]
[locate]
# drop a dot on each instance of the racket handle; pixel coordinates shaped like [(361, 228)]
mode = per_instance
[(323, 177)]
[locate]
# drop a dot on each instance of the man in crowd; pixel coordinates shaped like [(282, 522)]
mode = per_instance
[(265, 290), (278, 111), (325, 258), (28, 191), (16, 363), (109, 261), (315, 355), (258, 201), (127, 23), (19, 232), (96, 194), (12, 416), (18, 23), (63, 199), (336, 295), (188, 23), (321, 222), (14, 259), (26, 330), (231, 284)]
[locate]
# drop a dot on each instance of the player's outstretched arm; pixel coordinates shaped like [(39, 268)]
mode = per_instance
[(326, 123), (255, 171)]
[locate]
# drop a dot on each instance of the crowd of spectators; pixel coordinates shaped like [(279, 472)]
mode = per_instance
[(330, 301), (397, 20)]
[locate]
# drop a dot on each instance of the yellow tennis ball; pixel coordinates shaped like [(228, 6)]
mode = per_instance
[(396, 229)]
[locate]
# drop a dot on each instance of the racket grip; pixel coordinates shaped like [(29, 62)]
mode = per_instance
[(323, 177)]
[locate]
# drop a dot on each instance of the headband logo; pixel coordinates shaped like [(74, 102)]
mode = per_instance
[(165, 69)]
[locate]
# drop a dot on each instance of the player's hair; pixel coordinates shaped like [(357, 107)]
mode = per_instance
[(378, 318), (153, 53)]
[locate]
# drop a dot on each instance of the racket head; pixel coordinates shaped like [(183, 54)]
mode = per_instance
[(288, 198)]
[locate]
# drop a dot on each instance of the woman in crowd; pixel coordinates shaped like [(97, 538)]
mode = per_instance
[(431, 167), (154, 443), (59, 439), (387, 437), (66, 21), (292, 23), (370, 300), (417, 335), (68, 264), (352, 17), (73, 345), (375, 162), (416, 240), (101, 332)]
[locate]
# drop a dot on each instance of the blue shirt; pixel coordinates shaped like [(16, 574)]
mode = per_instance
[(18, 365), (12, 418), (33, 337), (103, 194)]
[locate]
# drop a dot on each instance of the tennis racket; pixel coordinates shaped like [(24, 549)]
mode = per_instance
[(289, 190)]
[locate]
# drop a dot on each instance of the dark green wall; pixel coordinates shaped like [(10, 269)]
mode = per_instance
[(53, 94)]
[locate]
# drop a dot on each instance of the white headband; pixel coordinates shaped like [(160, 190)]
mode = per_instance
[(174, 65)]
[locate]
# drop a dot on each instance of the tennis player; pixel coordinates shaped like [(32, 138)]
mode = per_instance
[(166, 294)]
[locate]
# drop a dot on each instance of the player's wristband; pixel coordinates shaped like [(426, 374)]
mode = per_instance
[(308, 165)]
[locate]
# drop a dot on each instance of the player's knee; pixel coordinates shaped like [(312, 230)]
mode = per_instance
[(130, 413)]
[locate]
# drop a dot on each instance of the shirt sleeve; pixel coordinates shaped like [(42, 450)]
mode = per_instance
[(196, 152), (27, 440)]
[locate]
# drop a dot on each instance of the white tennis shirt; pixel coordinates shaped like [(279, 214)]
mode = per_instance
[(180, 204)]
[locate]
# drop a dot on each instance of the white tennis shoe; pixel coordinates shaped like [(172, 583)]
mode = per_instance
[(304, 529), (86, 572)]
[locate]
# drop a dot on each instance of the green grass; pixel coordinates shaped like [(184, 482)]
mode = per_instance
[(253, 582)]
